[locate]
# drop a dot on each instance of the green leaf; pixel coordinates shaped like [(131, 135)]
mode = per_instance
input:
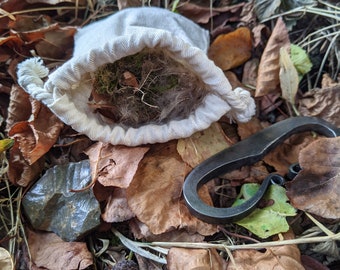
[(5, 144), (271, 219), (300, 60)]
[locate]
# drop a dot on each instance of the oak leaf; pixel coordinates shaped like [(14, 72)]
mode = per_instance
[(49, 251), (232, 49), (268, 74), (114, 165), (155, 194), (316, 189)]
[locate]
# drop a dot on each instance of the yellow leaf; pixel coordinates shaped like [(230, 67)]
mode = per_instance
[(6, 144), (289, 78)]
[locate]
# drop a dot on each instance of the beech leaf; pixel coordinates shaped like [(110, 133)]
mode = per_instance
[(316, 189), (232, 49), (155, 193), (114, 165), (289, 78), (49, 251), (202, 145), (268, 74), (117, 208), (271, 219)]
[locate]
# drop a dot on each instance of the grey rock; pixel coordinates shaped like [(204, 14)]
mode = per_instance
[(50, 205)]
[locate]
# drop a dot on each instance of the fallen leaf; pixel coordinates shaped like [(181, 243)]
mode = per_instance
[(114, 165), (316, 188), (268, 74), (155, 194), (279, 258), (271, 219), (309, 263), (300, 60), (20, 172), (250, 72), (117, 208), (5, 144), (48, 251), (287, 153), (49, 39), (327, 81), (142, 231), (37, 135), (6, 262), (322, 103), (19, 108), (202, 145), (202, 15), (232, 49), (54, 2), (289, 78), (189, 258)]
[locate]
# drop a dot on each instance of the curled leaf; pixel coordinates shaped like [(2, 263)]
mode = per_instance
[(316, 189), (268, 74)]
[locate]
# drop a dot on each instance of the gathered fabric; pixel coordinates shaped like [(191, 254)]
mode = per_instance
[(67, 89)]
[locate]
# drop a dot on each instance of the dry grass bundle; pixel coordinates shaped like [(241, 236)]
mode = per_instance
[(148, 87)]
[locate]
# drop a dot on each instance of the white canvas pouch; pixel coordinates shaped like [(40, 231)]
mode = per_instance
[(67, 89)]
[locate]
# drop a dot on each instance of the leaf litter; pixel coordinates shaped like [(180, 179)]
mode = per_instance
[(128, 189)]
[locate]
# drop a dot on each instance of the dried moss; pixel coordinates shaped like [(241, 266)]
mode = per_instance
[(158, 88)]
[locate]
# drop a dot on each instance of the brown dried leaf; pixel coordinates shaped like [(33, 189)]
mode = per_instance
[(185, 258), (202, 145), (323, 103), (287, 153), (20, 172), (117, 208), (250, 72), (114, 165), (19, 108), (49, 39), (282, 257), (155, 194), (141, 231), (232, 49), (36, 136), (49, 251), (54, 2), (316, 189), (202, 15), (268, 75)]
